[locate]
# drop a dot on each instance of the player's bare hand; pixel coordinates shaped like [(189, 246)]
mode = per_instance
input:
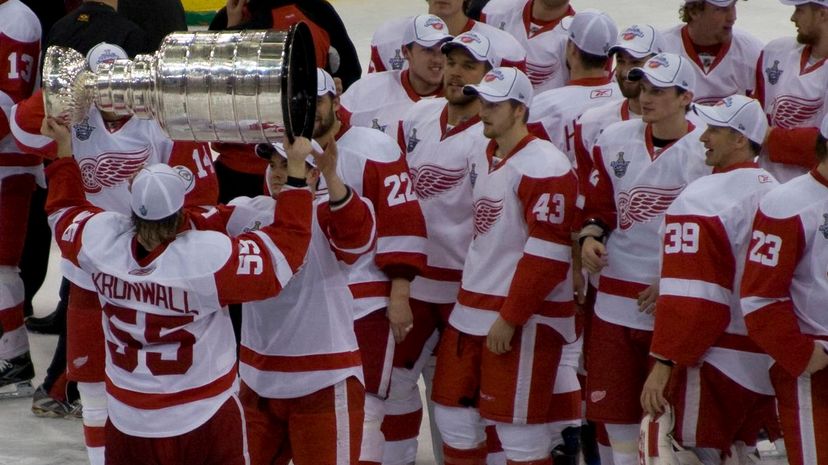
[(327, 159), (647, 299), (399, 309), (500, 336), (235, 12), (818, 361), (60, 133), (652, 396), (338, 85), (594, 255)]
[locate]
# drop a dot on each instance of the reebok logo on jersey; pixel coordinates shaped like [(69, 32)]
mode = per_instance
[(790, 111), (619, 166), (600, 93), (432, 180), (824, 228), (774, 72), (644, 203)]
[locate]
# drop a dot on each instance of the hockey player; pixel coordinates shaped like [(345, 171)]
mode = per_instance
[(379, 100), (372, 164), (444, 145), (641, 166), (386, 49), (300, 367), (709, 371), (514, 311), (535, 24), (19, 175), (171, 355), (592, 35), (784, 290), (723, 57), (109, 150), (790, 84)]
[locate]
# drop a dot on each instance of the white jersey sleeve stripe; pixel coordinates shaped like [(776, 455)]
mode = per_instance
[(280, 264), (547, 249), (25, 138), (753, 303), (401, 244), (694, 288)]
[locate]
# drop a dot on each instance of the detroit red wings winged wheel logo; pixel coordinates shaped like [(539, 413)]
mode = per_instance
[(486, 213), (432, 180), (111, 169), (642, 204), (789, 111)]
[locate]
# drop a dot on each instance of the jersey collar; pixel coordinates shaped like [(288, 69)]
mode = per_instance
[(492, 148), (405, 80), (445, 134), (693, 54), (803, 61), (734, 167), (527, 20), (590, 81), (648, 139)]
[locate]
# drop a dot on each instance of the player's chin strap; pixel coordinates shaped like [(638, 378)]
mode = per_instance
[(656, 445)]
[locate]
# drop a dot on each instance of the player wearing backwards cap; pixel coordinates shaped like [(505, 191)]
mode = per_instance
[(784, 293), (499, 358), (372, 164), (171, 355), (379, 100), (535, 24), (723, 57), (790, 84), (300, 366), (444, 145), (708, 370), (592, 34), (109, 150), (386, 48), (641, 166), (19, 174)]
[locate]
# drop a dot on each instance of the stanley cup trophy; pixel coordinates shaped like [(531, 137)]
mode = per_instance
[(231, 86)]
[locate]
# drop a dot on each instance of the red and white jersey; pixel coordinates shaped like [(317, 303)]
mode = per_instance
[(730, 72), (386, 45), (631, 187), (19, 57), (791, 88), (706, 237), (518, 264), (785, 286), (545, 44), (554, 113), (379, 101), (443, 163), (302, 340), (373, 166), (171, 354)]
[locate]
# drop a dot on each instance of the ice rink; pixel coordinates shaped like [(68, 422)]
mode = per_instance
[(27, 440)]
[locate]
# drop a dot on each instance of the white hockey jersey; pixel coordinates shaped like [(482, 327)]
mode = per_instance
[(379, 101), (785, 287), (302, 340), (631, 187), (791, 87), (730, 72), (545, 44), (518, 264), (556, 111), (371, 163), (706, 237), (19, 57), (386, 45), (171, 354), (444, 164)]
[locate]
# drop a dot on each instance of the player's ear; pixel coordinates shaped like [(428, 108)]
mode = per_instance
[(335, 103), (406, 51)]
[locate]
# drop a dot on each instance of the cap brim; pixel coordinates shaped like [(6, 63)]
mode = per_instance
[(637, 74), (428, 43), (634, 53), (481, 92), (710, 115)]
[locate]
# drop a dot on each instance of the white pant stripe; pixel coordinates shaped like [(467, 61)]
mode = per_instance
[(806, 419), (245, 449), (692, 404), (387, 365), (343, 426), (523, 382)]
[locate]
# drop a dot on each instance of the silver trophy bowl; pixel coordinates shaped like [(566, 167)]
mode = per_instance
[(229, 86)]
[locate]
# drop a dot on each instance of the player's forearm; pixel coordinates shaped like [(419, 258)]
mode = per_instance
[(795, 146), (534, 279), (65, 186), (775, 329)]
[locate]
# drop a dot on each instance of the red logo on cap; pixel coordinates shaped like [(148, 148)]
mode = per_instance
[(658, 61), (469, 38), (631, 33), (434, 23), (492, 75)]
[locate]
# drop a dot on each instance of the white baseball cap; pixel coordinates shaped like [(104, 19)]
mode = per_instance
[(501, 84), (639, 41), (104, 53), (802, 2), (741, 113), (158, 190), (266, 151), (478, 45), (593, 32), (666, 70), (712, 2), (324, 83), (426, 30)]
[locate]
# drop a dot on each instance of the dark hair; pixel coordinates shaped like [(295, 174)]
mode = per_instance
[(681, 91), (688, 8), (515, 104), (755, 147), (821, 149), (591, 61), (161, 230)]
